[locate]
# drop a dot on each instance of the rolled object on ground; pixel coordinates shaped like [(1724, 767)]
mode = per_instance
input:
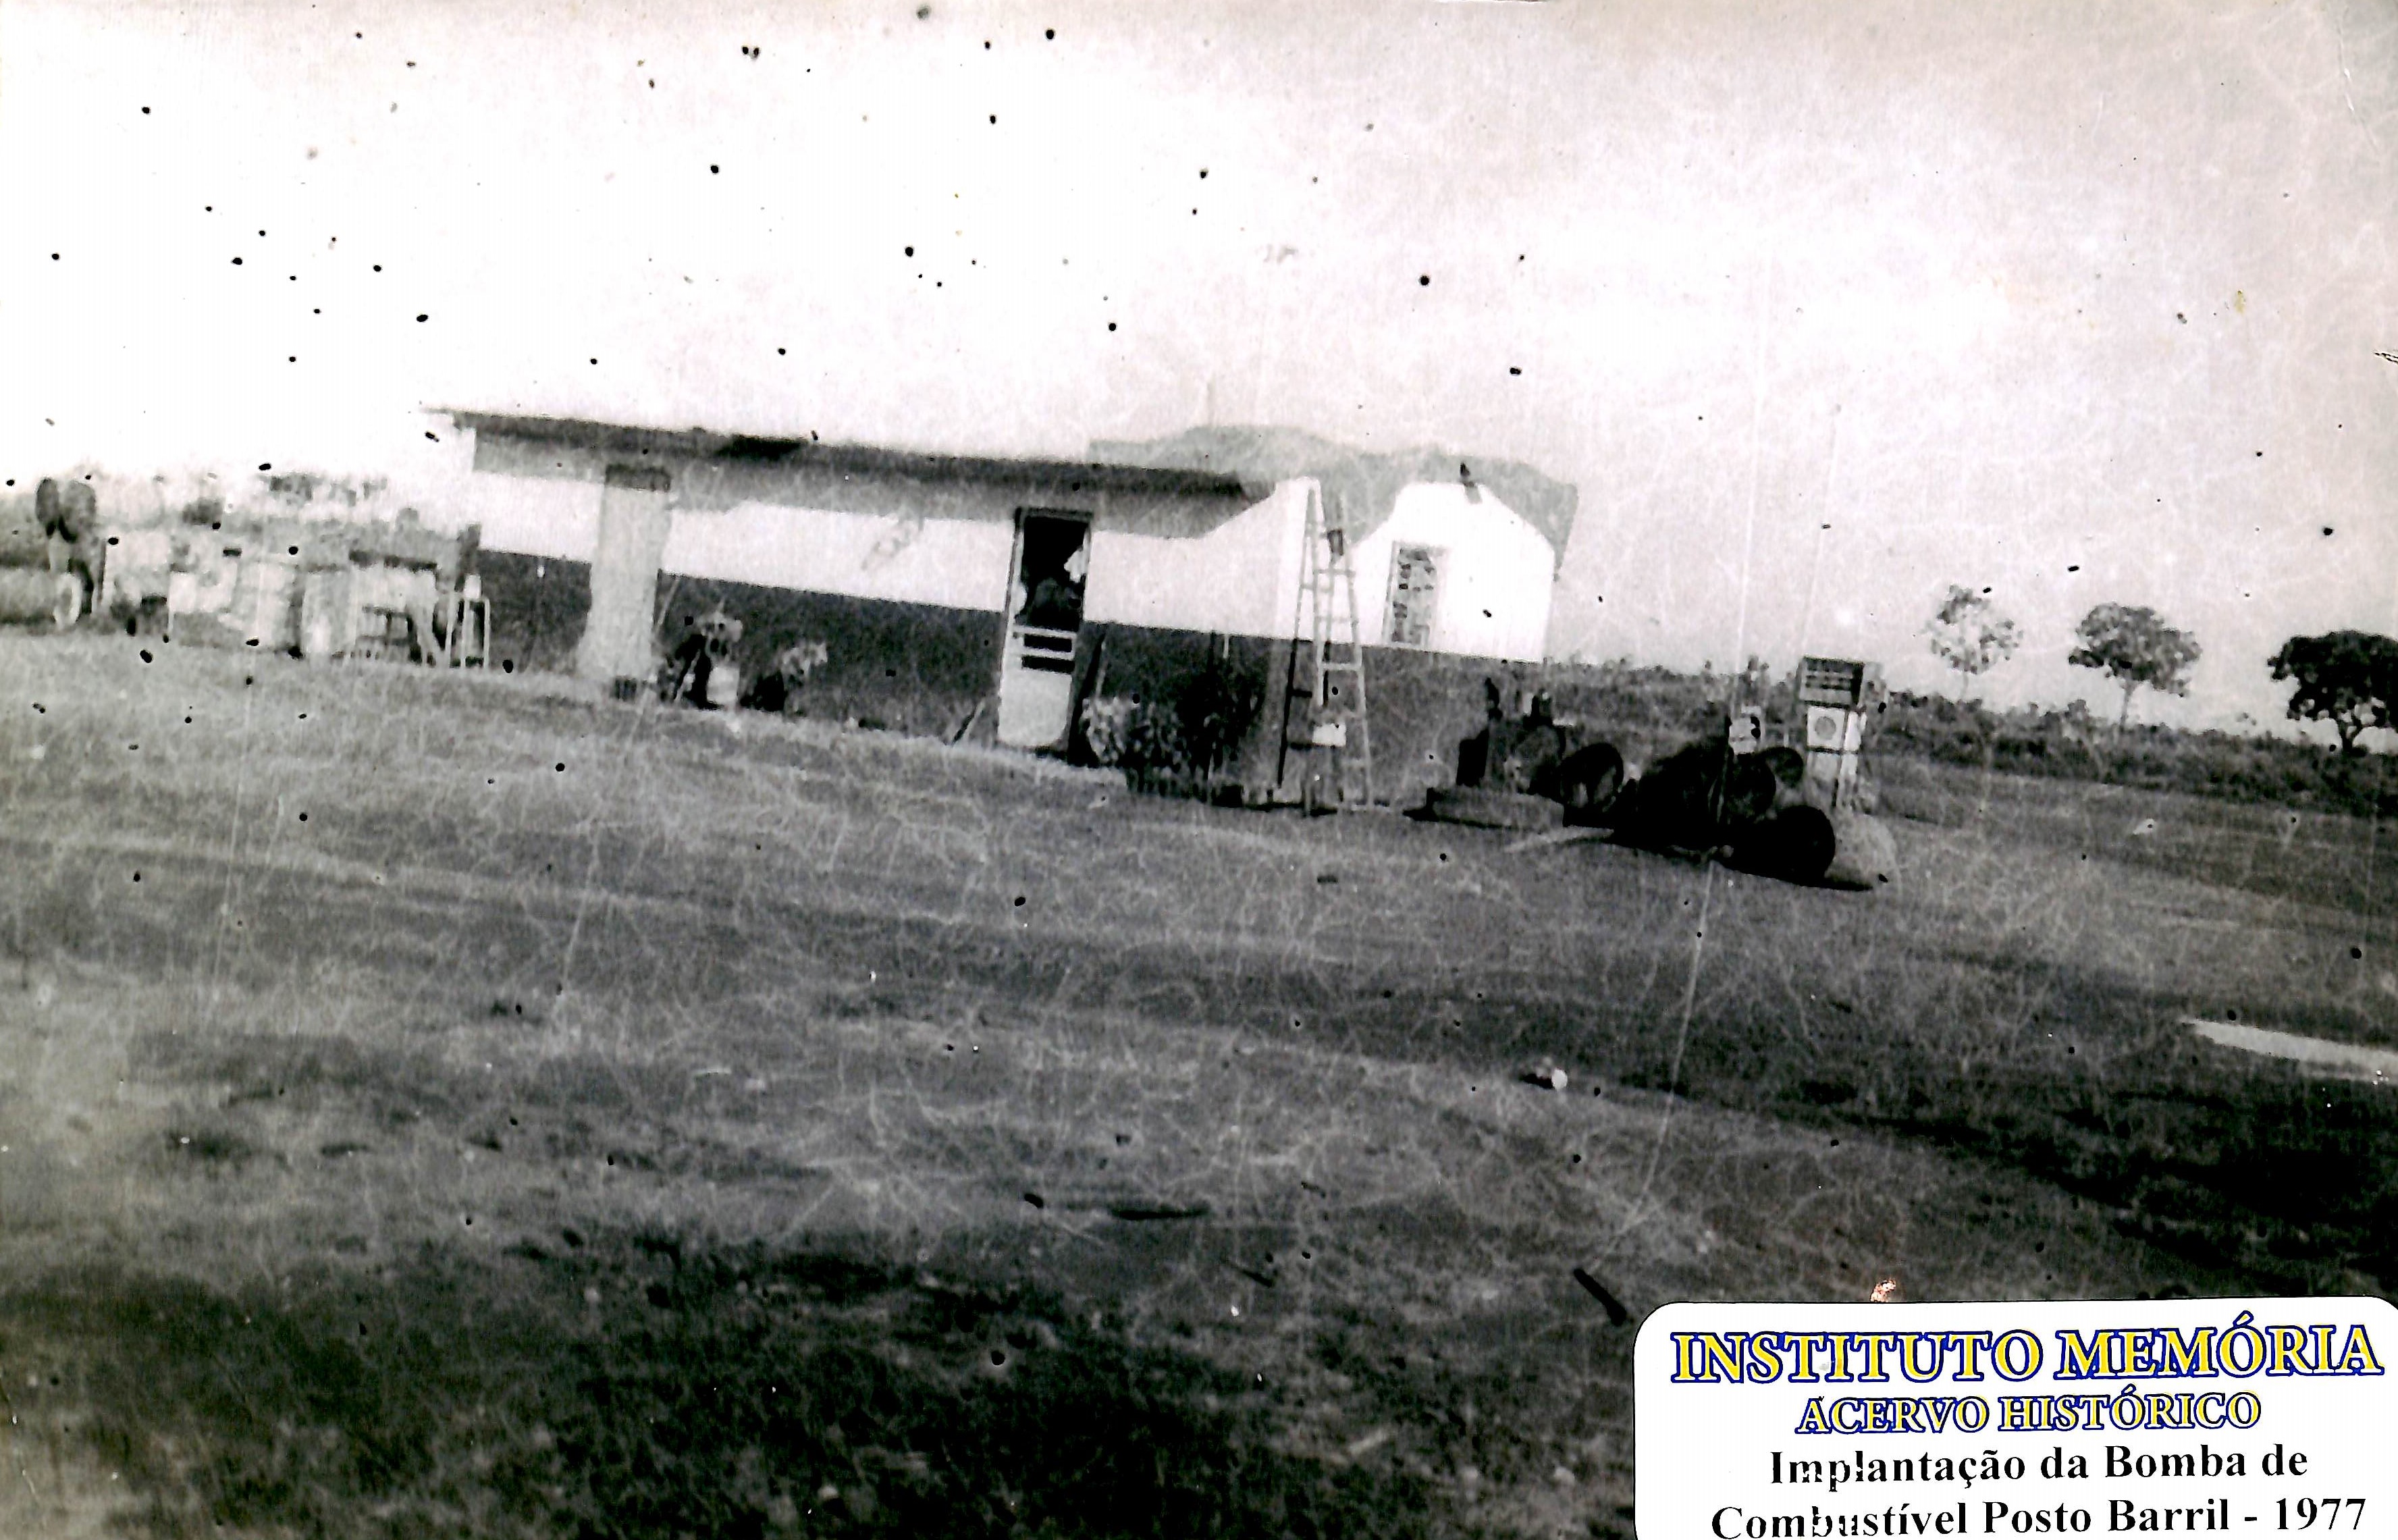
[(1866, 856), (43, 530), (1588, 782), (1796, 844), (36, 593), (1810, 846), (1680, 804), (68, 509)]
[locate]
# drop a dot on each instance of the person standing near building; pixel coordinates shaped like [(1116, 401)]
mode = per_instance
[(709, 647)]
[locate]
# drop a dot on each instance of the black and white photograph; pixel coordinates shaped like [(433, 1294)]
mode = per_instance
[(1032, 768)]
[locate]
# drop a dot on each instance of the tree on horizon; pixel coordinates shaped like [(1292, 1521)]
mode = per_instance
[(1967, 634), (2349, 679), (2132, 645)]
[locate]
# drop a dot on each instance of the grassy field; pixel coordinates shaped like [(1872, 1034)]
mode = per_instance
[(447, 1106)]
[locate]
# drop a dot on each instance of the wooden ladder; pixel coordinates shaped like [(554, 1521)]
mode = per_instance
[(1337, 721)]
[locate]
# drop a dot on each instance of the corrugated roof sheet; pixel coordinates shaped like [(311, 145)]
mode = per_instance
[(1361, 488)]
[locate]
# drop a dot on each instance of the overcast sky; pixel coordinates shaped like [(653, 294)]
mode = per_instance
[(2079, 309)]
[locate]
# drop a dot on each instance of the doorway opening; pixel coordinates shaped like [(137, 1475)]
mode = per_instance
[(1045, 622)]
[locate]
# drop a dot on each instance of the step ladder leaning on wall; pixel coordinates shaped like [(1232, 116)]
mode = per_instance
[(1340, 772)]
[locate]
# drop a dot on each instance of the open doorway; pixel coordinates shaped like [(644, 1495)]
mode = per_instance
[(1044, 620)]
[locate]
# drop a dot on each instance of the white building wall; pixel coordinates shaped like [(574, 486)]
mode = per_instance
[(558, 520), (958, 562), (1240, 578), (1496, 575), (1495, 579)]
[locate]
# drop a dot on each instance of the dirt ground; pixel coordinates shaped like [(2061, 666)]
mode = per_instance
[(446, 1105)]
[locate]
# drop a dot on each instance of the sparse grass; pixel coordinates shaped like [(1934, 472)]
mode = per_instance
[(633, 1385), (2329, 861), (725, 1006)]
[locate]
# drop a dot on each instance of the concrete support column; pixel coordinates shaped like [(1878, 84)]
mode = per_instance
[(618, 636)]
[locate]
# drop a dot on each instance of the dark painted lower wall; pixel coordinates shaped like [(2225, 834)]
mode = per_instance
[(918, 668), (1418, 705), (537, 609), (910, 668), (924, 669)]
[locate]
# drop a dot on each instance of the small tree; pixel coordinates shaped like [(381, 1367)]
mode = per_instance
[(2133, 646), (1970, 636), (2349, 679)]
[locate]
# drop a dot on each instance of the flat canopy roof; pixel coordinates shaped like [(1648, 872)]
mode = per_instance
[(855, 459)]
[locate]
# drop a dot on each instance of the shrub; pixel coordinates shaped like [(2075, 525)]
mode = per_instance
[(1175, 743)]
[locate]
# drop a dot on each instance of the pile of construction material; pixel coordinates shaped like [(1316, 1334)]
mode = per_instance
[(319, 587), (301, 566), (1801, 810), (47, 554)]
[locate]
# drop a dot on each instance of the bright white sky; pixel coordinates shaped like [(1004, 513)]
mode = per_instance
[(2079, 309)]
